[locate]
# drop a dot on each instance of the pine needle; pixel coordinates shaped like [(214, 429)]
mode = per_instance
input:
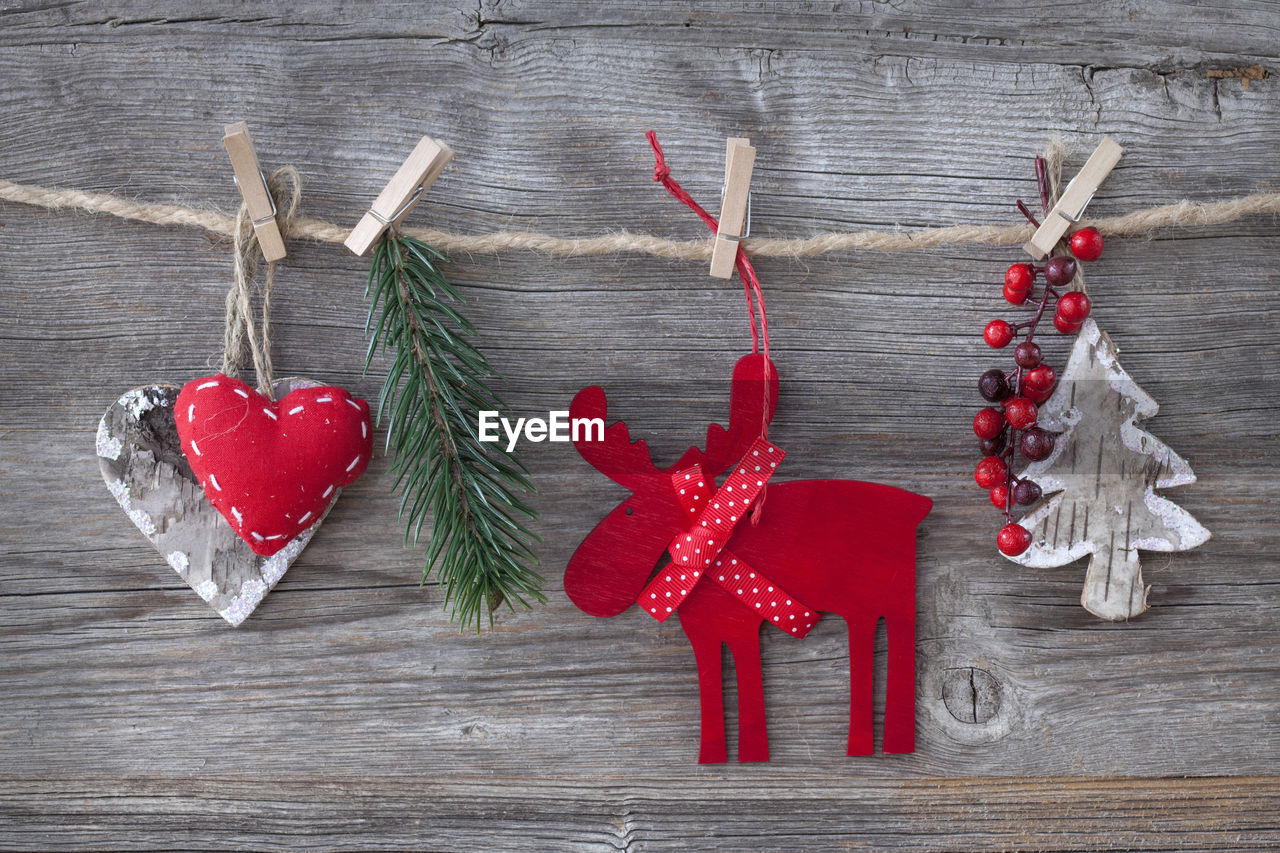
[(473, 492)]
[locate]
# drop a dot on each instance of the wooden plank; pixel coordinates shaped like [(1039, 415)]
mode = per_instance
[(132, 717), (260, 811), (1153, 37)]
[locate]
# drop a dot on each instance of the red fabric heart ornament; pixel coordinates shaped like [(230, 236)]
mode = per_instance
[(271, 469)]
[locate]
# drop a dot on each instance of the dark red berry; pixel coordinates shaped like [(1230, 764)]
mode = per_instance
[(991, 472), (991, 446), (1020, 412), (1086, 244), (1026, 492), (1015, 297), (988, 423), (1019, 277), (998, 334), (1036, 444), (1040, 378), (1000, 496), (1074, 307), (1027, 354), (1059, 270), (1013, 539), (1065, 326), (993, 386)]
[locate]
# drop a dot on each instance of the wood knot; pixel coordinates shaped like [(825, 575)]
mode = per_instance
[(972, 695)]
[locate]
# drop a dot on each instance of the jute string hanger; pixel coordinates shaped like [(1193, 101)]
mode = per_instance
[(259, 231), (243, 341)]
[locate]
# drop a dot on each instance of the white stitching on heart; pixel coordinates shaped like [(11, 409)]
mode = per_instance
[(193, 447), (242, 392), (327, 492), (256, 535), (205, 385), (364, 430), (295, 410), (324, 399), (354, 463), (191, 412), (214, 480), (239, 517), (354, 405), (270, 414), (305, 517)]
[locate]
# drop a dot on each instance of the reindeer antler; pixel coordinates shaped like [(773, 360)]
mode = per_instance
[(617, 457), (751, 407)]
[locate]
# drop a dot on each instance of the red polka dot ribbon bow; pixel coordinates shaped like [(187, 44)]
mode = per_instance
[(700, 550)]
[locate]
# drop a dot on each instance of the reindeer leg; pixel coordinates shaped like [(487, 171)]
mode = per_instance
[(706, 651), (753, 734), (900, 692), (862, 651)]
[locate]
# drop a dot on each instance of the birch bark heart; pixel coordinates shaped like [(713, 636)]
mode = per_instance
[(143, 465)]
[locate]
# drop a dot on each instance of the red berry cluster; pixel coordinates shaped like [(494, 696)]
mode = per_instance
[(1015, 396)]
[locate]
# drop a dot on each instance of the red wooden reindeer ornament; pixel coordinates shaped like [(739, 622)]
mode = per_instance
[(821, 545)]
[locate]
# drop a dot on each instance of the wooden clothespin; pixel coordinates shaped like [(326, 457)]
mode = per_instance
[(253, 189), (740, 159), (1075, 198), (415, 175)]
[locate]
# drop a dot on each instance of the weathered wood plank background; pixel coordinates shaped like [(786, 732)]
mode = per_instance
[(347, 712)]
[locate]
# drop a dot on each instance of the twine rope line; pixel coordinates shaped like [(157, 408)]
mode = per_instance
[(242, 340), (1138, 223)]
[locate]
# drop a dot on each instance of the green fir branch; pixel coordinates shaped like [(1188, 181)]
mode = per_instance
[(434, 390)]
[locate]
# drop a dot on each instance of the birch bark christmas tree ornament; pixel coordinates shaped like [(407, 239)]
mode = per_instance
[(1077, 431), (751, 551), (1102, 474), (228, 482), (475, 493)]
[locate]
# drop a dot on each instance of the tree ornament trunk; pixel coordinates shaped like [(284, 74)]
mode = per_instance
[(1113, 587)]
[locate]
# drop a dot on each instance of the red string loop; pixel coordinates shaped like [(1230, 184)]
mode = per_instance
[(750, 282), (750, 285)]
